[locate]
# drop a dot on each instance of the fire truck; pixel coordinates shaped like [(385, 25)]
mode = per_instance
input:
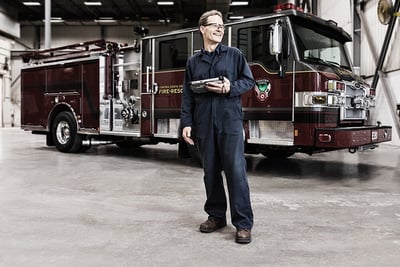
[(307, 97)]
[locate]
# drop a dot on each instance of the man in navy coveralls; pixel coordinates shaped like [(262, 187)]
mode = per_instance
[(215, 119)]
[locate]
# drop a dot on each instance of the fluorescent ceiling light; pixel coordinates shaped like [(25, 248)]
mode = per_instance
[(167, 20), (97, 3), (105, 20), (55, 20), (240, 3), (31, 3), (165, 3), (236, 17)]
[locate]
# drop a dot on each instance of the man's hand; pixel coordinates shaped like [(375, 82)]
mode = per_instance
[(219, 88), (186, 134)]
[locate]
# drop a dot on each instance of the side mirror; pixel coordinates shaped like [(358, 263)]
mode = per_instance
[(275, 44), (275, 38)]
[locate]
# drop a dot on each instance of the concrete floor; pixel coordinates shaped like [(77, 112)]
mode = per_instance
[(109, 207)]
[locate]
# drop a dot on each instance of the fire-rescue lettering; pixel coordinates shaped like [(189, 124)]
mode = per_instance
[(171, 89)]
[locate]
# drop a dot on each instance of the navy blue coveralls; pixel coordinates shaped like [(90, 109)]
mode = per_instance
[(217, 123)]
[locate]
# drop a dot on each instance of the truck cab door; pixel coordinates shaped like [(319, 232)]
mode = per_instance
[(148, 86), (172, 53), (268, 107), (164, 75)]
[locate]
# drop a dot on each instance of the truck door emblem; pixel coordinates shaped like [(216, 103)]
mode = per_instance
[(263, 87)]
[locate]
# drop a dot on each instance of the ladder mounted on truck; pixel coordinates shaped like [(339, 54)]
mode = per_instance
[(84, 49)]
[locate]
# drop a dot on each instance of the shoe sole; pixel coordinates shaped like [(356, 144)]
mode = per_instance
[(243, 241), (211, 230)]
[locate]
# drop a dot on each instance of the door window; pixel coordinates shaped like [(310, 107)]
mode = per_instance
[(254, 43), (173, 53)]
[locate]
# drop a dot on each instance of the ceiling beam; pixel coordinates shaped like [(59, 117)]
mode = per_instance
[(220, 5)]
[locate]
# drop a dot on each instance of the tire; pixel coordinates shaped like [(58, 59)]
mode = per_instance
[(64, 132), (278, 153), (128, 144)]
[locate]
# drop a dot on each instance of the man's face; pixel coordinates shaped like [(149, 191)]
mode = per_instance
[(213, 31)]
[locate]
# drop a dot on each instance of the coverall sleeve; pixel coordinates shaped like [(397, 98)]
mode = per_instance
[(245, 79), (187, 105)]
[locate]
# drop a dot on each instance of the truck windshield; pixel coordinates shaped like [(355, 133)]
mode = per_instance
[(317, 45)]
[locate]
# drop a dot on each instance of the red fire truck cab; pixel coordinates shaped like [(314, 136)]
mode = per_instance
[(306, 99)]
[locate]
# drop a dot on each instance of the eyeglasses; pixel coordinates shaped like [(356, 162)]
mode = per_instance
[(216, 25)]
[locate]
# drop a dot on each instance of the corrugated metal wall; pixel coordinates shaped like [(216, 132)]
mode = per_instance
[(340, 12)]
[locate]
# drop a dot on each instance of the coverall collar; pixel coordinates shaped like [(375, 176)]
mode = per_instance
[(219, 49), (207, 56)]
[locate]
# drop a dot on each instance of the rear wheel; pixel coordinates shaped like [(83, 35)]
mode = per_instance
[(277, 153), (128, 144), (65, 133)]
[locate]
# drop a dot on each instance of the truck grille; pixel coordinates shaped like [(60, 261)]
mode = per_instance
[(353, 98)]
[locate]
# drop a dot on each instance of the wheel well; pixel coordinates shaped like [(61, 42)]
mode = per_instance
[(57, 110)]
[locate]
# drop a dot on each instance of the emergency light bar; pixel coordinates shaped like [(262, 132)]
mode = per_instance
[(280, 7)]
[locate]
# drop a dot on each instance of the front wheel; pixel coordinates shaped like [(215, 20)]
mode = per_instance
[(65, 133)]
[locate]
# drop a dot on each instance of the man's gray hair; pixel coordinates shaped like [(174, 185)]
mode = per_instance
[(204, 18)]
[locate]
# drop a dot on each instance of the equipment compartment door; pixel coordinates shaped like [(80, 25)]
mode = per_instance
[(127, 100), (105, 96)]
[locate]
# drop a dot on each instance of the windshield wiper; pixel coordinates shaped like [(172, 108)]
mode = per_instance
[(325, 62), (317, 60), (334, 63)]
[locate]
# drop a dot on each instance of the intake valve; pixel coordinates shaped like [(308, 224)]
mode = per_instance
[(130, 114), (127, 113), (357, 102)]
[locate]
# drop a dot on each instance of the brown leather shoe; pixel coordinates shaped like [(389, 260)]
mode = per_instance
[(243, 236), (211, 225)]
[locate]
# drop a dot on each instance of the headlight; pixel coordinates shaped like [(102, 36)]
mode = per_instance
[(319, 99), (311, 99)]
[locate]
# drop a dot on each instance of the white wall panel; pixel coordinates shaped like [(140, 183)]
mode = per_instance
[(393, 57), (340, 12), (8, 106), (378, 33), (9, 26), (372, 46)]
